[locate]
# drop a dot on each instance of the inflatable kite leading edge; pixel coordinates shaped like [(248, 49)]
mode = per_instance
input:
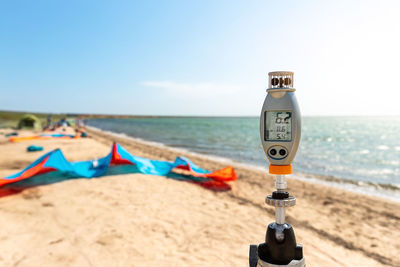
[(55, 161)]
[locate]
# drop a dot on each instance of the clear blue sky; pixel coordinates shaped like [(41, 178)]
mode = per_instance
[(198, 57)]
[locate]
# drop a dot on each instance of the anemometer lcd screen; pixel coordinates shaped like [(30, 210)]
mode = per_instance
[(278, 126)]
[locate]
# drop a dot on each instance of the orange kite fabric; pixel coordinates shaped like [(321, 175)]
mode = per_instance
[(43, 136)]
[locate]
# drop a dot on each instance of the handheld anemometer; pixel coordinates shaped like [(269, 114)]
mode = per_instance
[(280, 131), (280, 123)]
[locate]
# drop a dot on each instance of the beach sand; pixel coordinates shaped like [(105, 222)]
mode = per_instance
[(145, 220)]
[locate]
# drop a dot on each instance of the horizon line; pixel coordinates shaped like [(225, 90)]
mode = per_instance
[(179, 115)]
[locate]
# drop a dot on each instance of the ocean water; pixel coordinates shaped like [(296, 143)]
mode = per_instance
[(354, 150)]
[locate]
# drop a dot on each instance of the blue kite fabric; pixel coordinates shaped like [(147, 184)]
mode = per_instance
[(34, 148), (55, 161)]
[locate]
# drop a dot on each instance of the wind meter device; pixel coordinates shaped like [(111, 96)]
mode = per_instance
[(280, 131)]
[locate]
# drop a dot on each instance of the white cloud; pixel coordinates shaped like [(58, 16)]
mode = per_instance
[(210, 98), (205, 90)]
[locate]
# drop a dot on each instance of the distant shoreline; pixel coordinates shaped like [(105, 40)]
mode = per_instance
[(381, 190)]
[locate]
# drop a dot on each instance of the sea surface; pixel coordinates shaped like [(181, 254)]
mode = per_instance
[(361, 153)]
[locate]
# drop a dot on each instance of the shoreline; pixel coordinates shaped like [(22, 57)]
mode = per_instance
[(347, 219), (391, 193)]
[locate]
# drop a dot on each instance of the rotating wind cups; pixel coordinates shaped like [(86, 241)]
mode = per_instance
[(280, 129)]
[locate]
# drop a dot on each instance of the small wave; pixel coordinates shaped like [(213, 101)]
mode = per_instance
[(382, 147), (382, 190)]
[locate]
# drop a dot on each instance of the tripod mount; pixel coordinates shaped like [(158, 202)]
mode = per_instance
[(280, 247)]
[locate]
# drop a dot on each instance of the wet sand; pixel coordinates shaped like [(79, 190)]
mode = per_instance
[(142, 220)]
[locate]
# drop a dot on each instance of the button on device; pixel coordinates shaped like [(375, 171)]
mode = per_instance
[(272, 152), (282, 152)]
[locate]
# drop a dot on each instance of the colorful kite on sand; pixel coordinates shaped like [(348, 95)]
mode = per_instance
[(55, 161), (43, 136)]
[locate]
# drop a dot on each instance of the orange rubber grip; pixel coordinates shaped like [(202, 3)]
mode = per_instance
[(280, 169)]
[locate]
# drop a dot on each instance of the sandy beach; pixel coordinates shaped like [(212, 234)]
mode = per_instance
[(127, 219)]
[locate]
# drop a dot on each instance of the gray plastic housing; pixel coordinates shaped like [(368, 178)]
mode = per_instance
[(281, 99)]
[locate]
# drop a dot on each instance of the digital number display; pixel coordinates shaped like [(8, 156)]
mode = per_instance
[(278, 126)]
